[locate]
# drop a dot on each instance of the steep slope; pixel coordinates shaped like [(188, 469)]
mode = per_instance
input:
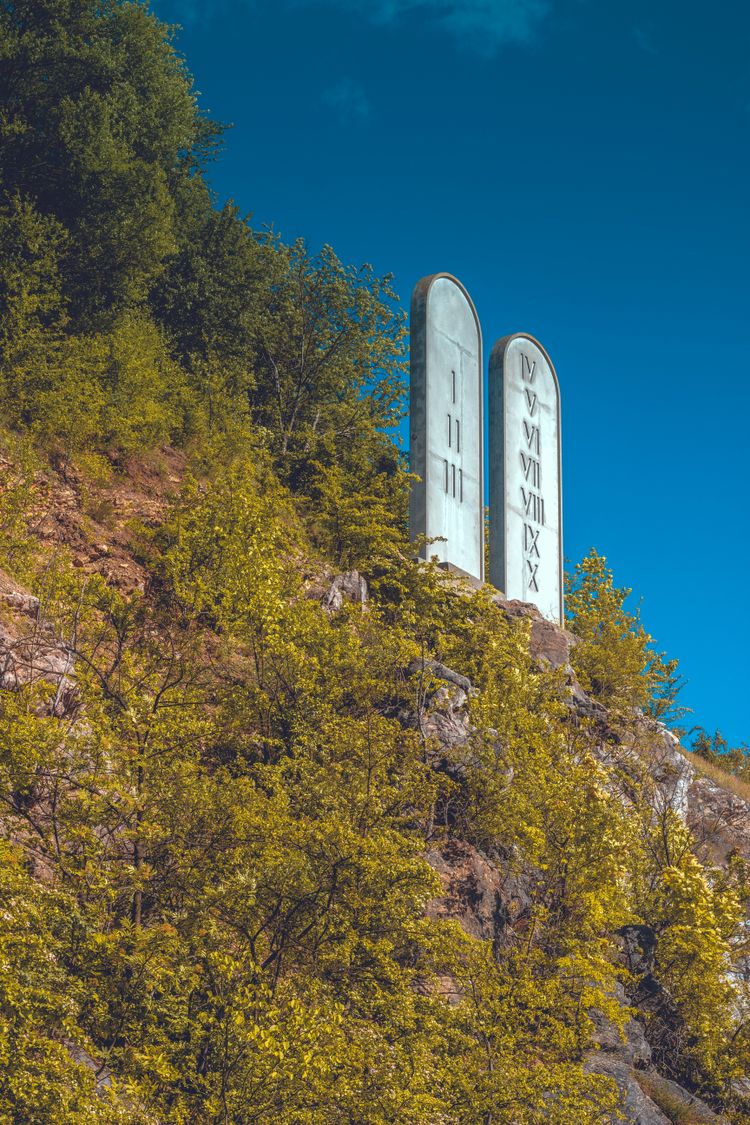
[(229, 769)]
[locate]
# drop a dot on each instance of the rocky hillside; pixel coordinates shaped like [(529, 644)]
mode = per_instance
[(630, 1021), (495, 904)]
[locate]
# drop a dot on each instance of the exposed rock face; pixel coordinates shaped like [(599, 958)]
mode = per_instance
[(636, 1108), (102, 1073), (548, 644), (443, 715), (441, 672), (22, 603), (34, 655), (630, 1047), (482, 890), (488, 902), (349, 587), (720, 820)]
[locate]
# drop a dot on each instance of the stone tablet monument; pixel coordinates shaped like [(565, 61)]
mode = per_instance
[(446, 427), (526, 560)]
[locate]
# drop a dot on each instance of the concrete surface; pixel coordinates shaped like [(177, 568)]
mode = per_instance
[(446, 425), (526, 551)]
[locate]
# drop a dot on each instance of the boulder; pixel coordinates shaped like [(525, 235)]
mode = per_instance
[(629, 1045), (441, 672), (549, 645), (443, 715), (30, 658), (677, 1102), (635, 1108), (350, 587)]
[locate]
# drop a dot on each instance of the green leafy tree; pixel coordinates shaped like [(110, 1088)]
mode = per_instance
[(614, 658), (99, 120), (330, 354)]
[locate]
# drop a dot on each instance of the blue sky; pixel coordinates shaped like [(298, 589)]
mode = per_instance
[(583, 167)]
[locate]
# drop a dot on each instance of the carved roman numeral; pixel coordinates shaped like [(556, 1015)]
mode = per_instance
[(533, 505), (531, 541), (531, 433), (531, 575), (531, 470), (528, 368), (531, 401)]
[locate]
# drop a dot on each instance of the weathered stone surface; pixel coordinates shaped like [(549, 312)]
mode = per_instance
[(443, 716), (442, 672), (34, 657), (441, 712), (549, 645), (350, 587), (678, 1102), (492, 904), (23, 603), (630, 1045), (486, 901), (638, 946), (102, 1073), (667, 765), (719, 819), (472, 889), (635, 1107)]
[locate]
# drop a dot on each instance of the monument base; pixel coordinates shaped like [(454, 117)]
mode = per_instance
[(456, 571)]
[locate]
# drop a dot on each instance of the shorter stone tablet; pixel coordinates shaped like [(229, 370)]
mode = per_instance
[(526, 559)]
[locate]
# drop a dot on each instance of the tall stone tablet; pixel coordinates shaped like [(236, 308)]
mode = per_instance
[(526, 556), (445, 423)]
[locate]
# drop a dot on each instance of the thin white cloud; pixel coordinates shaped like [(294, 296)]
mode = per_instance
[(348, 98), (481, 25), (485, 25)]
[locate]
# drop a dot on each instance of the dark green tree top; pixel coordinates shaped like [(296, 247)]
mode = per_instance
[(98, 123)]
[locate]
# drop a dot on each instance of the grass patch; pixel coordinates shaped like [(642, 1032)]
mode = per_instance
[(723, 779)]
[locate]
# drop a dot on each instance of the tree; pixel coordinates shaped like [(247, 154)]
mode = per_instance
[(330, 354), (99, 123), (614, 657)]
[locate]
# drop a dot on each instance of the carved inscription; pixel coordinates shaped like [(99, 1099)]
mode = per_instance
[(525, 475), (454, 477), (531, 500), (531, 470), (446, 430)]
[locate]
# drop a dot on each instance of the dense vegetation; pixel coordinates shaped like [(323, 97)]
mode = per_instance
[(213, 862)]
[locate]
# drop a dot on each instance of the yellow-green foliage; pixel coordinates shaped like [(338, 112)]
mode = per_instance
[(40, 1005), (242, 829), (614, 659), (697, 916), (237, 819)]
